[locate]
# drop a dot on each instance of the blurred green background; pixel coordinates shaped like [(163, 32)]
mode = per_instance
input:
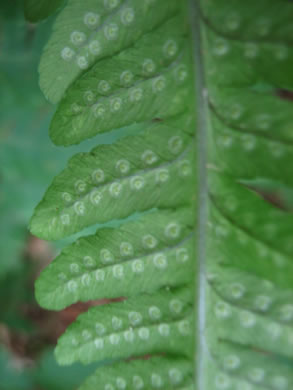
[(28, 162)]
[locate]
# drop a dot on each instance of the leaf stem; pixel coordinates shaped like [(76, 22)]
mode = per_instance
[(202, 109)]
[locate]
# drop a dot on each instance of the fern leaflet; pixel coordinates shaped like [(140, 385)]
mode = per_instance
[(141, 79)]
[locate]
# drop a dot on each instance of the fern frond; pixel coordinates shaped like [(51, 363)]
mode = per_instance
[(128, 65), (142, 256), (249, 287), (138, 326), (155, 169), (92, 30), (130, 87)]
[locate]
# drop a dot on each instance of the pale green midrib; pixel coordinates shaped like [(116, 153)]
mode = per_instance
[(201, 109)]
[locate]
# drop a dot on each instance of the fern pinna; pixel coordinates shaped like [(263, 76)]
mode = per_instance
[(133, 66)]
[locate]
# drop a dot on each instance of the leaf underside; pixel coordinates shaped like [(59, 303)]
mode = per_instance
[(131, 68), (128, 64), (248, 61)]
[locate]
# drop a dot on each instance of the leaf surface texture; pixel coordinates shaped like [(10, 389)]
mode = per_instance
[(129, 65)]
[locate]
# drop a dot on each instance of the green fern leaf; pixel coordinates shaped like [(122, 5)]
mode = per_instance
[(130, 65), (140, 374), (117, 262), (84, 192), (133, 86), (91, 30), (134, 327), (249, 250)]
